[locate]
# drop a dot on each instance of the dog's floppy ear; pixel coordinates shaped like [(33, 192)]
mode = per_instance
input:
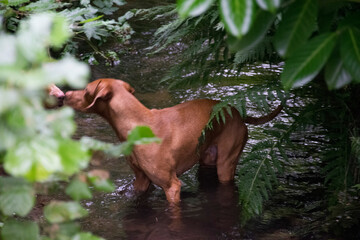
[(128, 87), (101, 92)]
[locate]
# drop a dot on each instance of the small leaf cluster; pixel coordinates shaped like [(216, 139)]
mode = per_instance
[(89, 20)]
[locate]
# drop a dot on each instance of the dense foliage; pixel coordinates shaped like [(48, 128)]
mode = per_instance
[(90, 21), (316, 42), (36, 147)]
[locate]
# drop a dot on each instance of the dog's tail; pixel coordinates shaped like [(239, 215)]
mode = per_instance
[(263, 119)]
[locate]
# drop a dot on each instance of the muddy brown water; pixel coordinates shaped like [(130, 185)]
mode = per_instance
[(209, 210)]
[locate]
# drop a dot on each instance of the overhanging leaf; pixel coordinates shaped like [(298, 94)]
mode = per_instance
[(263, 21), (299, 21), (269, 5), (192, 8), (142, 135), (237, 16), (350, 51), (307, 61), (16, 196), (335, 74)]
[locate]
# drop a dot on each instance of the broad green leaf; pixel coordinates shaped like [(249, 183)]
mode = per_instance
[(74, 156), (350, 51), (86, 236), (262, 22), (237, 16), (269, 5), (67, 70), (192, 8), (20, 230), (60, 31), (299, 21), (35, 160), (100, 180), (8, 53), (16, 196), (59, 211), (14, 3), (78, 190), (307, 61), (335, 75), (142, 135)]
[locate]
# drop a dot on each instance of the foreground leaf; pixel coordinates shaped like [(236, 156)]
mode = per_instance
[(16, 230), (16, 196), (335, 74), (307, 61), (298, 24), (35, 160), (269, 5), (350, 52), (58, 211), (237, 16), (86, 236), (192, 8), (263, 21), (78, 190)]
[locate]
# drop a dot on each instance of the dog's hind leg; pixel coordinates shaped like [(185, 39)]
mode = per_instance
[(173, 190), (231, 143)]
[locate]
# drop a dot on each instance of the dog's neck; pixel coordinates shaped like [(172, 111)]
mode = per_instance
[(126, 112)]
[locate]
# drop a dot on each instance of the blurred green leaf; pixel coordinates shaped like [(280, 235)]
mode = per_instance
[(269, 5), (100, 180), (16, 196), (67, 70), (74, 156), (237, 16), (192, 8), (20, 230), (8, 53), (335, 74), (263, 21), (142, 135), (299, 21), (14, 3), (350, 51), (86, 236), (78, 190), (34, 160), (58, 211), (60, 31), (307, 61)]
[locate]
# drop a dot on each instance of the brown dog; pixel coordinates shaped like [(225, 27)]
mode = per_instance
[(179, 127)]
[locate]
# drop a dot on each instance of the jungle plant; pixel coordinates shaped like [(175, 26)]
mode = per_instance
[(319, 44), (36, 147), (90, 21)]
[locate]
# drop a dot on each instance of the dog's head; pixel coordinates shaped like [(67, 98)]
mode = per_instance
[(96, 95)]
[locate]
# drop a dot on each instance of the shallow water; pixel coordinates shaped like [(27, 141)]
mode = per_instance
[(208, 210)]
